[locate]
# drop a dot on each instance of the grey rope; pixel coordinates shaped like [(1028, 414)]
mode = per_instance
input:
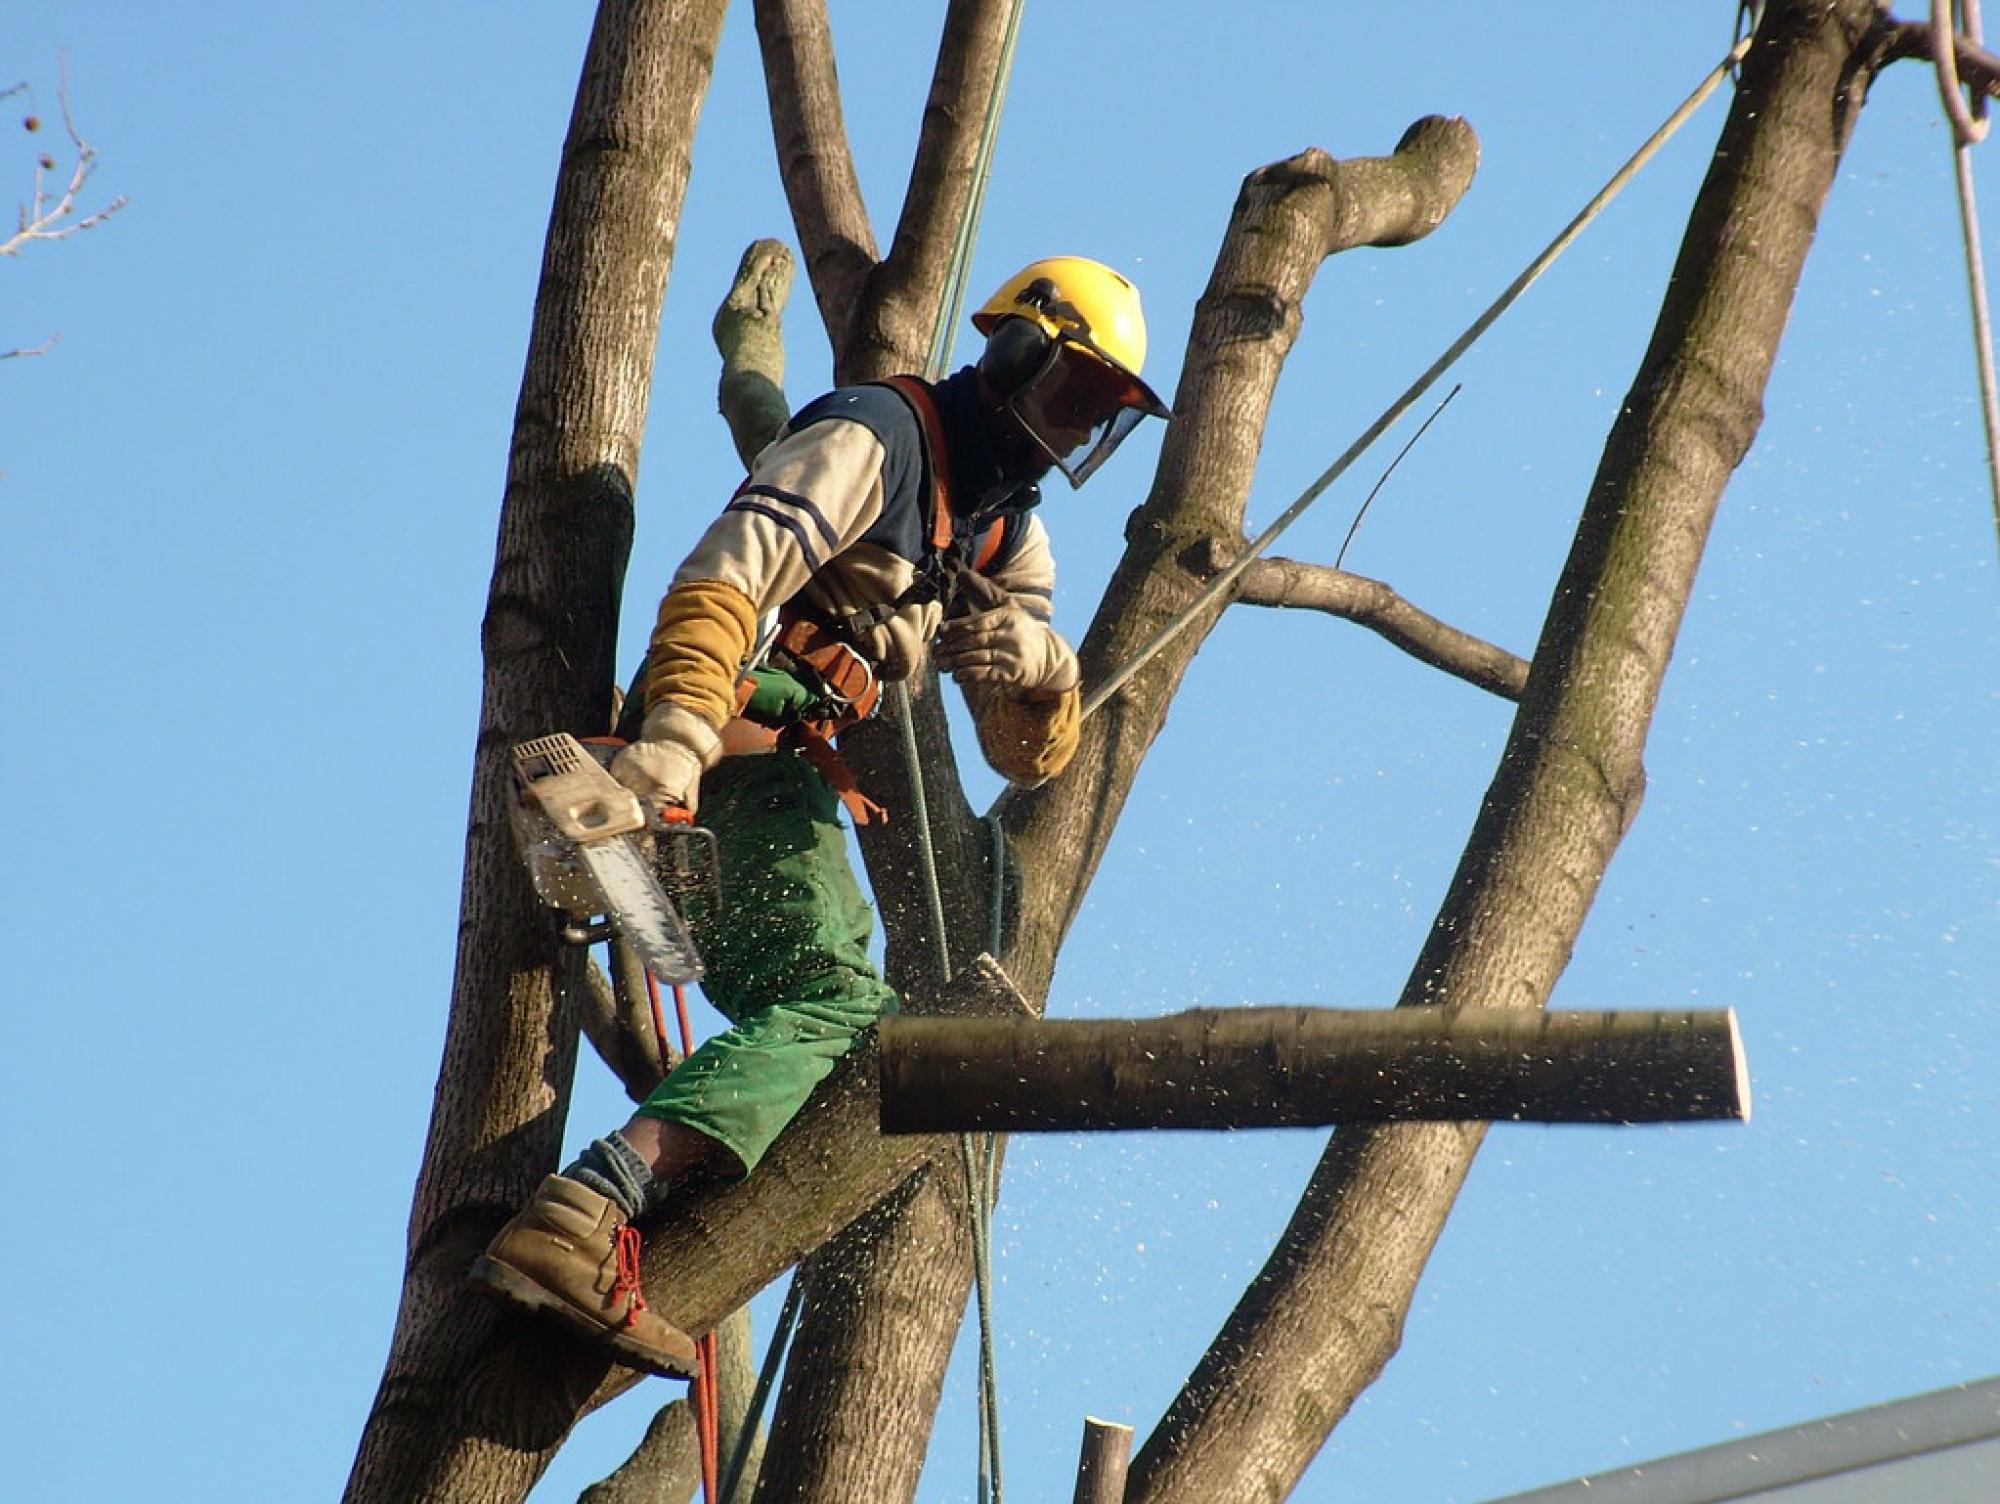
[(1968, 128), (980, 1181), (1227, 577)]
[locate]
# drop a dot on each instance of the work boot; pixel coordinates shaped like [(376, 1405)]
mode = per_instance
[(569, 1253)]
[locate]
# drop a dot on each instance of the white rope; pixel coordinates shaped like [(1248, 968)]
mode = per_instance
[(1227, 577), (1967, 130), (979, 1164)]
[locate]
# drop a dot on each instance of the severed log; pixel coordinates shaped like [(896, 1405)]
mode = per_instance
[(1305, 1067), (1100, 1471)]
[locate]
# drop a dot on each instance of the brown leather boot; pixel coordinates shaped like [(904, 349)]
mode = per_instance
[(569, 1253)]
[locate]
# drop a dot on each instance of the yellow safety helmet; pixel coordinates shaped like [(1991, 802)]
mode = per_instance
[(1065, 341)]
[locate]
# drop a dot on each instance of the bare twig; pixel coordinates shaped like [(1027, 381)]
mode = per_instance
[(1372, 604), (53, 216), (42, 349)]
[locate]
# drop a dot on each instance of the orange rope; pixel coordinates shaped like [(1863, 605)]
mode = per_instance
[(702, 1392)]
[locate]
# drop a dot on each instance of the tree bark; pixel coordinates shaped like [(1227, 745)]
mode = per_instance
[(1326, 1312), (1308, 1067), (461, 1414), (873, 1294)]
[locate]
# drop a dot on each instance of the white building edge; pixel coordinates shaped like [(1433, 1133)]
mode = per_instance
[(1936, 1448)]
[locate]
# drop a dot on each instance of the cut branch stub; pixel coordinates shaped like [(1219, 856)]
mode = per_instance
[(1100, 1472), (1308, 1067)]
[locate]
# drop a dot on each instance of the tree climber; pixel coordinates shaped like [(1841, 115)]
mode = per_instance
[(882, 518)]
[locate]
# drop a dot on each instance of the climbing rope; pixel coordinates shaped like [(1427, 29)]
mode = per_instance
[(1227, 577), (978, 1160), (980, 1166), (1968, 129)]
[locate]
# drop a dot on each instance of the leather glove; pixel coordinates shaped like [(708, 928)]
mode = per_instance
[(1007, 649), (664, 766)]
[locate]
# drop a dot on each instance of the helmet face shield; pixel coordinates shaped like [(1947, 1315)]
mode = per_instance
[(1079, 408)]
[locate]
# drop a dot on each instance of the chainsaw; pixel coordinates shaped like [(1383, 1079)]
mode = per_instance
[(594, 853)]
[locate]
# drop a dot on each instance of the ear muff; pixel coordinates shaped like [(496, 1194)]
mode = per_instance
[(1015, 351)]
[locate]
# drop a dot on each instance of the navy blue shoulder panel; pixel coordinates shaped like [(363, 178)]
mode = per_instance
[(904, 525)]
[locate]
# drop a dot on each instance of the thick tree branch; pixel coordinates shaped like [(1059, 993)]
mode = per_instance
[(1288, 218), (1102, 1465), (457, 1402), (1326, 1312), (814, 161), (1289, 584), (900, 311)]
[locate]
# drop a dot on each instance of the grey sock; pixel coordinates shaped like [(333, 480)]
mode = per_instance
[(613, 1168)]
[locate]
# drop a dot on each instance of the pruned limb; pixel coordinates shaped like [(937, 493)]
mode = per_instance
[(881, 320), (1309, 1067), (665, 1468), (749, 333), (1100, 1470), (1288, 218), (814, 159), (617, 1018), (1287, 583), (1978, 69), (1326, 1311)]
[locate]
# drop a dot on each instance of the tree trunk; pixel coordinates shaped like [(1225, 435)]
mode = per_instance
[(884, 1303), (1231, 1068), (461, 1414), (1326, 1313)]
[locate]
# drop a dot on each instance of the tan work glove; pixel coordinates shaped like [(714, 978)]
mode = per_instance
[(1007, 649), (664, 766)]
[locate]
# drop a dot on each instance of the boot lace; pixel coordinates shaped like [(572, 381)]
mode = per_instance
[(626, 1281)]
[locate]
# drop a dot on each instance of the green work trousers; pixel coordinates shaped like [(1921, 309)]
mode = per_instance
[(786, 959)]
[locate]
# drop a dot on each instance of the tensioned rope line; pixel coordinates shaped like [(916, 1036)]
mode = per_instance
[(977, 1159), (1227, 577), (979, 1179), (1968, 129)]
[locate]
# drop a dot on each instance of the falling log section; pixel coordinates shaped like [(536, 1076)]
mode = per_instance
[(1306, 1067)]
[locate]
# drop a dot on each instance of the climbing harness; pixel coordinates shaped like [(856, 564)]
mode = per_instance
[(1968, 128), (1227, 577)]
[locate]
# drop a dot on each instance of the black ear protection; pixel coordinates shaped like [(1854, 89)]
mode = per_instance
[(1015, 351)]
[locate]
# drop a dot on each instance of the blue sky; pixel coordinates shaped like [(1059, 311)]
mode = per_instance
[(250, 500)]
